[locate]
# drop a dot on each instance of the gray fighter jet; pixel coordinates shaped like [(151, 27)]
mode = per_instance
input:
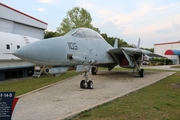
[(83, 49)]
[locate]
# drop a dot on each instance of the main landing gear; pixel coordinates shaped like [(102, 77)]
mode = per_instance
[(141, 72), (86, 83), (94, 70)]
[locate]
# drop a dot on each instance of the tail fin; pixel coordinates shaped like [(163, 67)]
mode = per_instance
[(116, 43), (138, 45)]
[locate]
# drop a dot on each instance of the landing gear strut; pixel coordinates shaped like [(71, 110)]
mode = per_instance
[(86, 83)]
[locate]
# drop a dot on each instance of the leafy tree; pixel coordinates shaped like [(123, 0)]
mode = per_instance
[(75, 18), (96, 29), (49, 34), (161, 61), (149, 49), (111, 40)]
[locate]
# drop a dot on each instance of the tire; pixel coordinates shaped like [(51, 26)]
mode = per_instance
[(90, 84), (93, 70), (82, 84), (142, 73)]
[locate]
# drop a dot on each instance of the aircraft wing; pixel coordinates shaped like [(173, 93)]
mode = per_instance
[(133, 52), (124, 56), (116, 51), (126, 50), (128, 57), (155, 55)]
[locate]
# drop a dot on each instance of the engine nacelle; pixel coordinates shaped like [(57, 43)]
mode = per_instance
[(56, 70)]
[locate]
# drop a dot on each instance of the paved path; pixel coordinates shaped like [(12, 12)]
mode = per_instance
[(66, 99)]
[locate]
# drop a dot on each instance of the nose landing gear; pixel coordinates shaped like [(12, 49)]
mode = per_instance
[(86, 83)]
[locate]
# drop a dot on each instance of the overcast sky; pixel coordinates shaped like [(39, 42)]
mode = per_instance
[(154, 21)]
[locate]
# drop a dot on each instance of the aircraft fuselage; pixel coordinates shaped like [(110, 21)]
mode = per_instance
[(59, 50)]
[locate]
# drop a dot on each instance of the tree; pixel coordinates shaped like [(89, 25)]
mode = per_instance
[(49, 34), (75, 18), (96, 29), (149, 49), (111, 40)]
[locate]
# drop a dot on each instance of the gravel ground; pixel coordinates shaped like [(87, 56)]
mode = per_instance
[(66, 99)]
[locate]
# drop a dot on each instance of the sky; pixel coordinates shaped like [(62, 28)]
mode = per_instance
[(154, 21)]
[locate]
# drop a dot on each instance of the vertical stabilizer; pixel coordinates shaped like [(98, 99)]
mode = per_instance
[(116, 43), (138, 45)]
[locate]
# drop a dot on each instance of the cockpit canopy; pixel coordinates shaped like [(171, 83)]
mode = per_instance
[(84, 33)]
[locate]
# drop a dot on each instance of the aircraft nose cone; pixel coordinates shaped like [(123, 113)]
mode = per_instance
[(23, 53), (42, 52), (34, 52)]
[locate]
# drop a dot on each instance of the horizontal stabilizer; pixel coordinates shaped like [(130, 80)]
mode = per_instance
[(155, 55)]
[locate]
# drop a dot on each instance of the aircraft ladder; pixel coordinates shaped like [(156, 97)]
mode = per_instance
[(38, 70)]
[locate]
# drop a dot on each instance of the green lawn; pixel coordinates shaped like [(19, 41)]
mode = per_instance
[(22, 86), (160, 101), (175, 66)]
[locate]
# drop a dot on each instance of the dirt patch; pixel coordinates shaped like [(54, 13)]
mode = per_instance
[(177, 85)]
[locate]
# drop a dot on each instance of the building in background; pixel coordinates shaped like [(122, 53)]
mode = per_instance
[(17, 29), (14, 21), (171, 50)]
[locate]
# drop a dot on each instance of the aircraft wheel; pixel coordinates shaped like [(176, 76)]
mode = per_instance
[(82, 84), (90, 84), (93, 70), (142, 73)]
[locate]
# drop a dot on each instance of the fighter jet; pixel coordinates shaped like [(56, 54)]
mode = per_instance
[(83, 49)]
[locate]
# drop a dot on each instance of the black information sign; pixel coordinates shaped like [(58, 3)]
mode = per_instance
[(6, 101)]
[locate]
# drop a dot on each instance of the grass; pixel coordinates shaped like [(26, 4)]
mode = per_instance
[(22, 86), (160, 101), (175, 66)]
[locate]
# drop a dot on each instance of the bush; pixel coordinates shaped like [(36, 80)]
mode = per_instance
[(157, 61)]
